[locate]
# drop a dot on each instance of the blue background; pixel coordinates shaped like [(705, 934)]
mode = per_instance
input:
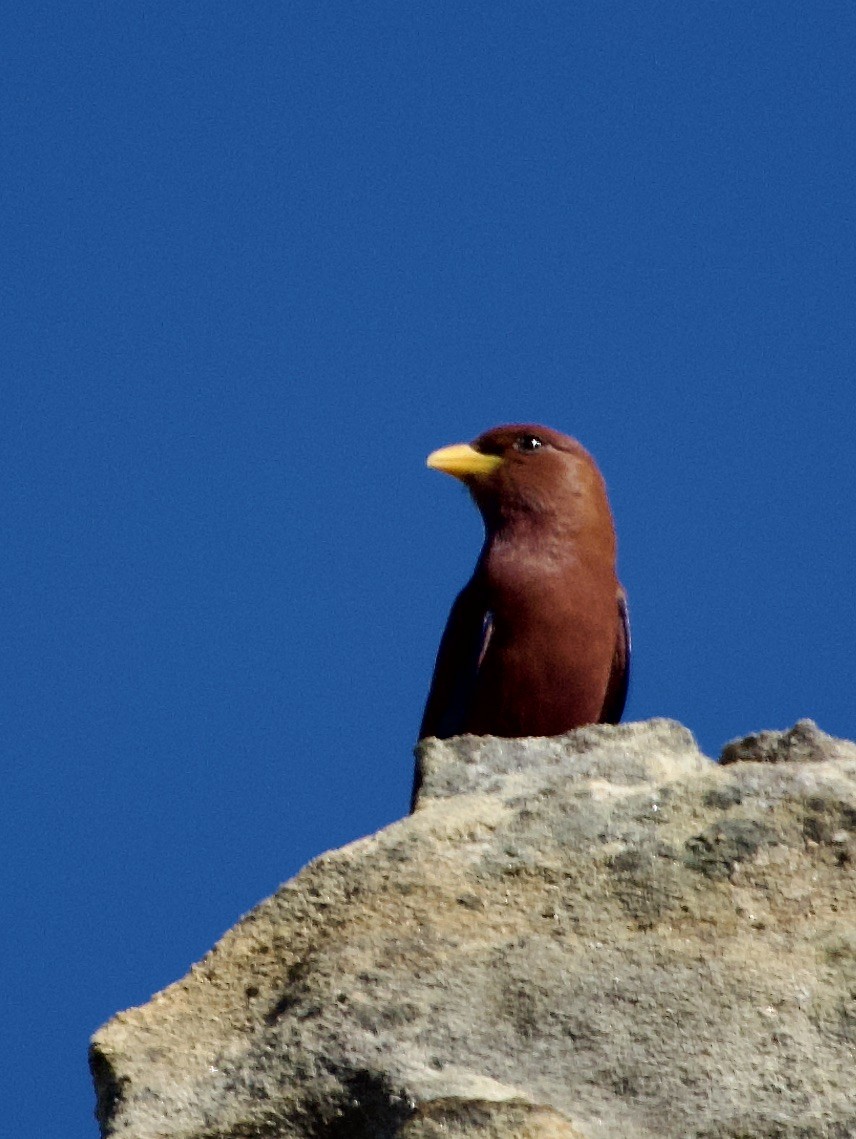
[(258, 260)]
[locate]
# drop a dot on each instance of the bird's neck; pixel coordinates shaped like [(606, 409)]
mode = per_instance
[(543, 544)]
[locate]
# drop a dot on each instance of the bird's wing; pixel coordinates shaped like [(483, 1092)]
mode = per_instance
[(461, 650), (619, 676)]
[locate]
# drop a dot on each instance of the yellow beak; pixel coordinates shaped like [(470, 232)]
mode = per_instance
[(463, 461)]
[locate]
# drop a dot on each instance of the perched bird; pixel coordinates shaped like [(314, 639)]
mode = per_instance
[(538, 641)]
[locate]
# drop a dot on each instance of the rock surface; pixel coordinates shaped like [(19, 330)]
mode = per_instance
[(599, 936)]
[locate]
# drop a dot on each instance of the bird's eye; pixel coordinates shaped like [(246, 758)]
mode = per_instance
[(527, 443)]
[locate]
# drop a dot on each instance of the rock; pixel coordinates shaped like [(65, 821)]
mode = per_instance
[(804, 743), (602, 935)]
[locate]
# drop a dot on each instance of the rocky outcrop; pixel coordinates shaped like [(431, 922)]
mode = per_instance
[(598, 936)]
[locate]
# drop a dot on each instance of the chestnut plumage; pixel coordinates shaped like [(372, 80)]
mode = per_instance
[(538, 641)]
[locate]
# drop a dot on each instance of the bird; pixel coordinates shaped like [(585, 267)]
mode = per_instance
[(538, 640)]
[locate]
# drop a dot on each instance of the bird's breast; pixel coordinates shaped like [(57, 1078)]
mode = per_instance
[(546, 666)]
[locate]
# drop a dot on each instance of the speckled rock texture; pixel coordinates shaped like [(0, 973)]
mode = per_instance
[(603, 935)]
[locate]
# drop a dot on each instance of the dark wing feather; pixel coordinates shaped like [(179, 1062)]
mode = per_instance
[(461, 650), (460, 653), (619, 677)]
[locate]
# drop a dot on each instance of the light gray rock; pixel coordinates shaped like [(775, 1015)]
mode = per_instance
[(599, 936)]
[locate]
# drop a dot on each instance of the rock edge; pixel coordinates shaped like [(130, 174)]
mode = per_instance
[(602, 935)]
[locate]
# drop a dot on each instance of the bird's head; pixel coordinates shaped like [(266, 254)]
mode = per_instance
[(523, 472)]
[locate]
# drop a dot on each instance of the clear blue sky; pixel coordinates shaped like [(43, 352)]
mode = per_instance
[(259, 260)]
